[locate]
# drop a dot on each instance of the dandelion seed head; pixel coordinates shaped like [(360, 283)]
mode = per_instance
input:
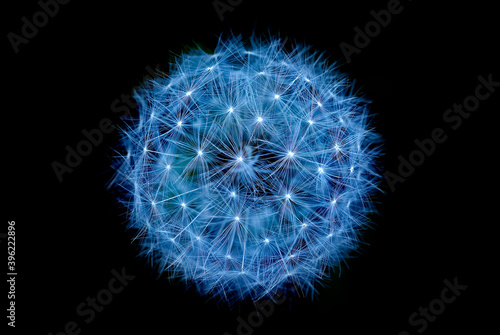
[(207, 121)]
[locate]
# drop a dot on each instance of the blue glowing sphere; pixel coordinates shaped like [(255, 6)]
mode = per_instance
[(249, 170)]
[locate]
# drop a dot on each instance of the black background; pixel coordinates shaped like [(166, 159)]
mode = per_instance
[(435, 226)]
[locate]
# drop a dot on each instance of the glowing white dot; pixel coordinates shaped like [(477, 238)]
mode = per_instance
[(153, 203), (319, 104), (240, 159), (200, 152), (210, 68), (259, 119), (228, 256), (179, 123), (266, 240), (290, 154), (237, 218), (233, 194), (307, 79), (183, 205), (304, 225), (351, 169), (334, 201), (198, 238), (168, 167), (292, 256), (261, 73), (188, 93), (310, 121), (288, 196), (320, 170), (231, 110), (336, 147), (329, 235), (276, 96)]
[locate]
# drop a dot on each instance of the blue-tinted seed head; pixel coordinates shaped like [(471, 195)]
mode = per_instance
[(249, 170)]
